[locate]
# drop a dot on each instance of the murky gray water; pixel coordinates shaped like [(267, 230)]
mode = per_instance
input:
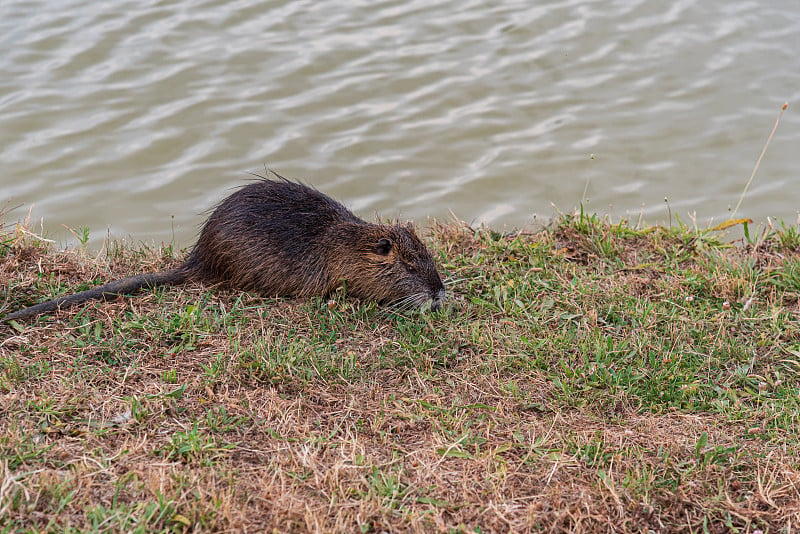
[(138, 116)]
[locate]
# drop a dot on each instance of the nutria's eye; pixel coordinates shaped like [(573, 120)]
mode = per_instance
[(384, 246)]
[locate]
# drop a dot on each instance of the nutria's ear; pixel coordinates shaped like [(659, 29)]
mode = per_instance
[(383, 246)]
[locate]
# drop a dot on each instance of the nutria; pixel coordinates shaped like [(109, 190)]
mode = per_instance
[(282, 238)]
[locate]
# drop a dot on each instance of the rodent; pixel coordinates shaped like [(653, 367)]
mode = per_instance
[(283, 238)]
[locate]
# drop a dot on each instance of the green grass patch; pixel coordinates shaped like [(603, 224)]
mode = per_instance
[(593, 375)]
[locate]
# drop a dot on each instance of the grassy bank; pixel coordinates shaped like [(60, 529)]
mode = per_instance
[(589, 377)]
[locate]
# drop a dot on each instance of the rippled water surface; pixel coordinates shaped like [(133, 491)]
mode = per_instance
[(135, 117)]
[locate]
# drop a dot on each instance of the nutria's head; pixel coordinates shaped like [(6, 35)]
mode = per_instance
[(390, 264)]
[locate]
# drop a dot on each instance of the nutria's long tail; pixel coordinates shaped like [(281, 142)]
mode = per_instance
[(128, 285)]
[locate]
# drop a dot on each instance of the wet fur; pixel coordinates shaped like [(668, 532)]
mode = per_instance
[(282, 238)]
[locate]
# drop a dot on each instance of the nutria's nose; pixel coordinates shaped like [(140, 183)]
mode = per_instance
[(436, 303)]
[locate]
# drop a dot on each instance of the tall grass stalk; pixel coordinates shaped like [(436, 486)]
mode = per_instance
[(758, 162)]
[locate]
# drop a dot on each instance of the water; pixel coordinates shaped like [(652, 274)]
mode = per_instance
[(133, 118)]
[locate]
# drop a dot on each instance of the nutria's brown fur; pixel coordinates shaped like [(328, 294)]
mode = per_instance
[(281, 238)]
